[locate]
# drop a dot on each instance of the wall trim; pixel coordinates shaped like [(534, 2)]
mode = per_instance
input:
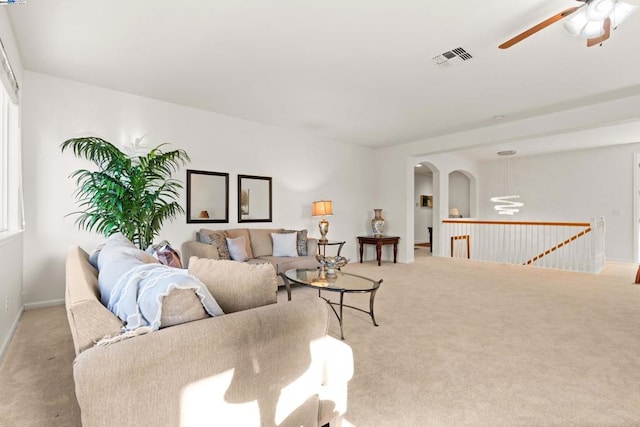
[(43, 304), (12, 331)]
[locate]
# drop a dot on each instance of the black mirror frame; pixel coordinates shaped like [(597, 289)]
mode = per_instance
[(265, 178), (191, 220)]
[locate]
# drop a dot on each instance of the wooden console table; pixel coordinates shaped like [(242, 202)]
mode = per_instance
[(379, 241)]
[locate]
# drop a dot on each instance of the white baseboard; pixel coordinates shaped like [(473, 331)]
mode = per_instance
[(43, 304), (12, 331)]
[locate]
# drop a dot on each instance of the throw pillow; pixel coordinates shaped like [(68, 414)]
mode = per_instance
[(93, 257), (219, 241), (236, 286), (301, 241), (285, 244), (117, 256), (165, 254), (237, 248)]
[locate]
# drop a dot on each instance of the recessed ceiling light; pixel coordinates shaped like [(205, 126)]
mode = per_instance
[(419, 165), (506, 153), (498, 117)]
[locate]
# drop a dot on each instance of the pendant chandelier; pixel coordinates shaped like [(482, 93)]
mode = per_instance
[(506, 205)]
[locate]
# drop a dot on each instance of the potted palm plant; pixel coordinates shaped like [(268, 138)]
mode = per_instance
[(133, 195)]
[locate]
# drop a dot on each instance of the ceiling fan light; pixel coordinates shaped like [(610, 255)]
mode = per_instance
[(576, 22), (592, 29), (598, 10), (621, 12)]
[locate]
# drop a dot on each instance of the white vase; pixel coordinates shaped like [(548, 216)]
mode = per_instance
[(377, 223)]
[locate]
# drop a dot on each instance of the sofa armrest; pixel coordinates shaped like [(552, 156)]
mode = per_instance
[(312, 246), (231, 369), (89, 320), (197, 249)]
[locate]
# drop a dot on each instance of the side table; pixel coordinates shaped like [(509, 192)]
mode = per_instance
[(330, 243), (379, 241)]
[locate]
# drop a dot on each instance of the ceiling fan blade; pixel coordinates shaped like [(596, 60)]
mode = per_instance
[(538, 27), (603, 37)]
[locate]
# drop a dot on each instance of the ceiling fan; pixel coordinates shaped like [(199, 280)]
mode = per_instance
[(592, 20)]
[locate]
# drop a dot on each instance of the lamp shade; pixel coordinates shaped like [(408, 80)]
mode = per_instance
[(454, 212), (321, 208)]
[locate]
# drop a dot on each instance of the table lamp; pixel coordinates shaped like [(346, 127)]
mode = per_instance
[(322, 208)]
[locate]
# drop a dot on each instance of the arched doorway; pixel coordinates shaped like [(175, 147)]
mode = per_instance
[(434, 177), (424, 199)]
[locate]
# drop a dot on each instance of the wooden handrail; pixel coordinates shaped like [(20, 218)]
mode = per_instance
[(555, 244), (563, 224), (558, 246)]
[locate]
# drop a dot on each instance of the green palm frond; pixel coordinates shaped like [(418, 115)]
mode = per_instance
[(134, 196)]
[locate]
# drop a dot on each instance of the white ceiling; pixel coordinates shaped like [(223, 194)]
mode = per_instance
[(358, 71)]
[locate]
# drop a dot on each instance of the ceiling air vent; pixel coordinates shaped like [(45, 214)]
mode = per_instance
[(452, 57)]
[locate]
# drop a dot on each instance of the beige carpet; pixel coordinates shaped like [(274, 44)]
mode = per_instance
[(459, 344), (36, 383)]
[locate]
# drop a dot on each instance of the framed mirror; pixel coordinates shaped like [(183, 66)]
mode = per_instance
[(254, 198), (207, 196)]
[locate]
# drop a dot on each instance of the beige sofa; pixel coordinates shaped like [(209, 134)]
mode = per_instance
[(226, 370), (259, 248)]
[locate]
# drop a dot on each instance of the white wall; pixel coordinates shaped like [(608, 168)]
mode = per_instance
[(571, 186), (56, 109), (10, 288)]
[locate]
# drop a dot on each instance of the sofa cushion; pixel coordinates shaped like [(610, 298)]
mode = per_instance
[(196, 248), (261, 242), (237, 248), (284, 244), (301, 241), (236, 286), (181, 306)]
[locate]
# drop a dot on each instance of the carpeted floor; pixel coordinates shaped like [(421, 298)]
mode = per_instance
[(36, 383), (459, 344)]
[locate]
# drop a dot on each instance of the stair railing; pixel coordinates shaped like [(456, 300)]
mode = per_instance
[(574, 246)]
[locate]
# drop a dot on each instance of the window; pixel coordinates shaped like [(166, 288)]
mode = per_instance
[(4, 166), (10, 162)]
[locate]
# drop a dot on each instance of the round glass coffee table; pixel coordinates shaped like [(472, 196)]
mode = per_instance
[(343, 283)]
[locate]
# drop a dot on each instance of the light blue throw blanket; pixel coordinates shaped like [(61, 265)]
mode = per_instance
[(137, 296)]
